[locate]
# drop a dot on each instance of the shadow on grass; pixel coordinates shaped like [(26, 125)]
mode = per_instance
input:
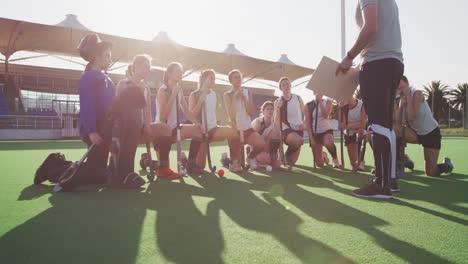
[(81, 227), (415, 186), (446, 191), (328, 210), (105, 226), (267, 216)]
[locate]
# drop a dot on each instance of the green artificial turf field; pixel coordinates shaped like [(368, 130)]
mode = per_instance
[(306, 216)]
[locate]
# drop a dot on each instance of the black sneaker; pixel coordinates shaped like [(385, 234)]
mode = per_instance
[(394, 187), (449, 164), (409, 164), (373, 190), (133, 181)]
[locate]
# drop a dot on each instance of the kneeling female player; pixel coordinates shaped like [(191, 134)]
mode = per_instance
[(289, 118), (353, 120), (265, 126), (239, 104), (203, 105), (96, 91), (131, 104), (423, 128), (317, 114), (167, 114)]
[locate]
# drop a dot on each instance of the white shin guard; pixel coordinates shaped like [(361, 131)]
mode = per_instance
[(391, 136)]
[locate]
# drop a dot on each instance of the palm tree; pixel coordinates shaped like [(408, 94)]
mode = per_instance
[(458, 97), (437, 94)]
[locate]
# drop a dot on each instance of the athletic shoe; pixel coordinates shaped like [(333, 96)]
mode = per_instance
[(409, 164), (449, 164), (252, 164), (235, 167), (400, 172), (133, 181), (394, 187), (336, 163), (326, 160), (362, 166), (225, 160), (167, 173), (373, 190), (195, 169)]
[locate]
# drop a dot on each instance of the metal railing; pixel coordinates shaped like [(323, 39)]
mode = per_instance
[(32, 122)]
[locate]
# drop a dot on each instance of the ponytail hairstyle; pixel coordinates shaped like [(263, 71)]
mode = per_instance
[(169, 69), (129, 71), (358, 16), (203, 76)]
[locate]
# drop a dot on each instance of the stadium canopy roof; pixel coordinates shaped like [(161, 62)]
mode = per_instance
[(71, 21), (16, 35)]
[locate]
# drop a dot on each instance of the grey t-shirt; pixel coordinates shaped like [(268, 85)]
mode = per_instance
[(387, 41)]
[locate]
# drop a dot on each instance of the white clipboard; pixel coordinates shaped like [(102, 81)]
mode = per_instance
[(324, 81)]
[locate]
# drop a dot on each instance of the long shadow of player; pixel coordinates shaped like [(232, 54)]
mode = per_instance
[(331, 211), (184, 234), (417, 187), (238, 201), (447, 191), (97, 227)]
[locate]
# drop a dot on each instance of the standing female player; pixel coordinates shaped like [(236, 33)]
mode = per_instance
[(265, 126), (166, 102), (289, 117), (379, 44), (96, 92), (423, 128), (317, 113), (239, 104), (204, 101)]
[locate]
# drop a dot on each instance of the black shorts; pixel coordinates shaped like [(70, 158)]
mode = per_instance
[(318, 137), (288, 131), (431, 140), (351, 138)]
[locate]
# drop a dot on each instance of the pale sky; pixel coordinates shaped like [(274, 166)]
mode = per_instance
[(435, 39)]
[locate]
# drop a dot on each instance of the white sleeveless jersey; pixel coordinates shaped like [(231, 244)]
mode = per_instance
[(323, 124), (210, 108), (243, 120), (354, 116), (424, 122), (171, 118), (294, 113)]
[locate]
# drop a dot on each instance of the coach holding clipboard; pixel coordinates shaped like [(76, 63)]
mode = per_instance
[(379, 44)]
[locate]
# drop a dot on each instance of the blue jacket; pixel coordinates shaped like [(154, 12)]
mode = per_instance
[(96, 92)]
